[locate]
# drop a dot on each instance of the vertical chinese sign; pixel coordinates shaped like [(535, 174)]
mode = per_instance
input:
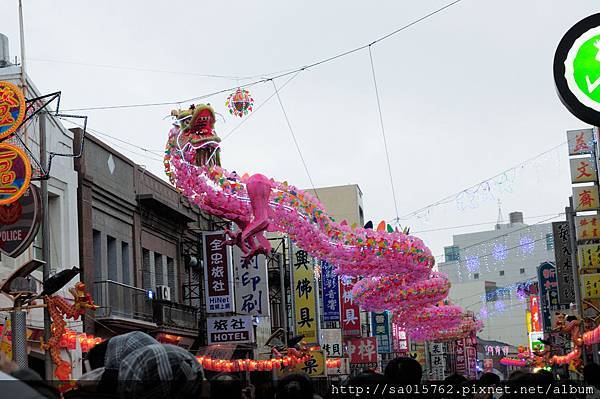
[(461, 360), (362, 353), (218, 282), (251, 285), (380, 324), (399, 339), (438, 361), (305, 297), (350, 311), (548, 293), (331, 293), (534, 309), (564, 268)]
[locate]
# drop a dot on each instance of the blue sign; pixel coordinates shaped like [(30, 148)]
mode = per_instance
[(380, 324), (549, 302), (331, 293)]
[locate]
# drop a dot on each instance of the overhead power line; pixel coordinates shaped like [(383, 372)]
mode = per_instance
[(276, 75)]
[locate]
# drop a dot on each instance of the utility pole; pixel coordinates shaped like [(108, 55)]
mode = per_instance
[(23, 72), (45, 236)]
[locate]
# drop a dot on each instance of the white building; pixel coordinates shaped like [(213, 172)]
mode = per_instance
[(485, 268), (62, 202)]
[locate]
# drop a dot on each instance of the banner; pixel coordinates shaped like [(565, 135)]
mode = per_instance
[(331, 293), (331, 342), (362, 352), (564, 267), (251, 284), (380, 325), (548, 293), (230, 329), (305, 298), (350, 311), (534, 309), (218, 284)]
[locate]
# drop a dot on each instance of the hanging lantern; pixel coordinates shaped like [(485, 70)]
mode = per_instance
[(240, 102)]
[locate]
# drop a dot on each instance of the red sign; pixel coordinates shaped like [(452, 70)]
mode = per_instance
[(15, 173), (19, 222), (534, 308), (461, 360), (12, 108), (217, 273), (361, 350), (350, 310)]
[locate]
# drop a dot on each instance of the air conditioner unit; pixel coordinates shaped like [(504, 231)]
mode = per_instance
[(163, 293)]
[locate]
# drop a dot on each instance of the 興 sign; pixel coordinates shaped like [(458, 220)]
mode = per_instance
[(577, 70)]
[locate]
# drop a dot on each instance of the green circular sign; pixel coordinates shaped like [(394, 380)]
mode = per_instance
[(577, 70)]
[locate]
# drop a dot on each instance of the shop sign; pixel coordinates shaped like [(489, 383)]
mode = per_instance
[(583, 170), (586, 198), (350, 310), (587, 227), (589, 256), (20, 222), (564, 268), (580, 142), (331, 342), (590, 285), (231, 329), (548, 293), (534, 308), (380, 325), (15, 173), (12, 108), (305, 298), (331, 293), (218, 283), (361, 350), (577, 70), (251, 284)]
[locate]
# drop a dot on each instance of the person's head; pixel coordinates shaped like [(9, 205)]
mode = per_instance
[(225, 386), (294, 386), (489, 379), (455, 379), (160, 371), (368, 378), (544, 377), (591, 374), (516, 375), (404, 371), (97, 355)]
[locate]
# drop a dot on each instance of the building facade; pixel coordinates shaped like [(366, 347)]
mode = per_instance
[(486, 267), (140, 248)]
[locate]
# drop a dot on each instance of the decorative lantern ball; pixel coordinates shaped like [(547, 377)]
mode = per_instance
[(240, 102)]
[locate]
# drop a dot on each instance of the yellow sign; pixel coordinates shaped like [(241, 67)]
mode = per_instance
[(586, 198), (313, 367), (583, 170), (590, 285), (587, 227), (305, 300), (12, 108), (589, 256), (528, 320)]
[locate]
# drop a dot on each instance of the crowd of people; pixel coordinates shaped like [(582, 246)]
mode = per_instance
[(135, 365)]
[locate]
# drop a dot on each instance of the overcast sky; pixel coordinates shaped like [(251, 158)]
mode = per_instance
[(465, 94)]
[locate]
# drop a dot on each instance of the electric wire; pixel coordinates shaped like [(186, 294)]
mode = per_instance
[(385, 146)]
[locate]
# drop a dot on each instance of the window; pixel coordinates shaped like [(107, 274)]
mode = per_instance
[(549, 242), (111, 258), (146, 274), (172, 278), (476, 276), (125, 263), (501, 272), (97, 247), (452, 253), (159, 269), (522, 271)]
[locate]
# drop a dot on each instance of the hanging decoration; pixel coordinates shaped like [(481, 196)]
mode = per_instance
[(240, 102), (59, 308), (396, 267), (12, 108)]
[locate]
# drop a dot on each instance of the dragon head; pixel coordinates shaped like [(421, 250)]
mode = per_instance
[(197, 120)]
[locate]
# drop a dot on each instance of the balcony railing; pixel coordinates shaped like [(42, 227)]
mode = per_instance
[(171, 314), (118, 300)]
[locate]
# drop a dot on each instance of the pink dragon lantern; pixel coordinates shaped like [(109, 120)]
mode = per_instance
[(396, 267)]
